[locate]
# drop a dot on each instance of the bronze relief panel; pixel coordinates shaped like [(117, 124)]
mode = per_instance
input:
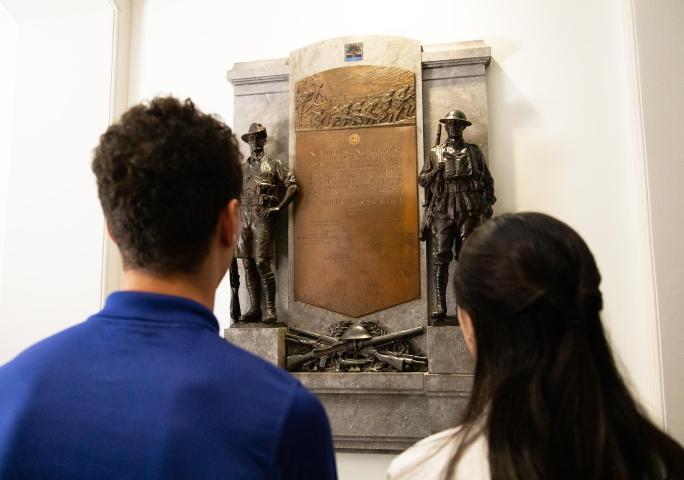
[(362, 96), (356, 220)]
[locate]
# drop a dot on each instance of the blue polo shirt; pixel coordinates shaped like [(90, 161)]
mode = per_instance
[(146, 389)]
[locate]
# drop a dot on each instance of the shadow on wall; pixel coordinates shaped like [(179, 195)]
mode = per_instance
[(509, 111)]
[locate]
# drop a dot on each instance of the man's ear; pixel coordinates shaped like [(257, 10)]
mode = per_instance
[(229, 223)]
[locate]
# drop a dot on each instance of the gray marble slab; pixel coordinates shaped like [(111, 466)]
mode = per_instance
[(447, 352), (388, 411), (267, 343), (377, 50)]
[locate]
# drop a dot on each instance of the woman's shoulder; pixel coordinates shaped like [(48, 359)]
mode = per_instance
[(428, 458)]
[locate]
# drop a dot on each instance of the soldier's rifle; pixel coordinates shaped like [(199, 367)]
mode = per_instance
[(318, 336), (308, 338), (321, 354), (429, 204), (234, 277), (397, 362), (291, 337)]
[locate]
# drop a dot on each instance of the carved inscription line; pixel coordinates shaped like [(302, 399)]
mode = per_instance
[(349, 173)]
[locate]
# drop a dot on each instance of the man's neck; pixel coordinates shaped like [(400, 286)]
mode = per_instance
[(182, 285), (256, 155)]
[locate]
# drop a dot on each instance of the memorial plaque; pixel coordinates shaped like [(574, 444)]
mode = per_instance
[(356, 219), (325, 95)]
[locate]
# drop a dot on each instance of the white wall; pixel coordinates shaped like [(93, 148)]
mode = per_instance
[(659, 27), (8, 61), (564, 138), (564, 118), (52, 232)]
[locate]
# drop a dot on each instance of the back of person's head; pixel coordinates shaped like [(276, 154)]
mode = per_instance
[(164, 172), (555, 403)]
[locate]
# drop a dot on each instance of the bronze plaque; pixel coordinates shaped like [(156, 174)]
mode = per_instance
[(363, 96), (356, 219)]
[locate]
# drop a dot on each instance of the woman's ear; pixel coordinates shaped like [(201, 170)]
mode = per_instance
[(466, 323)]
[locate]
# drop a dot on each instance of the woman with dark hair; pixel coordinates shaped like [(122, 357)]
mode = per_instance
[(548, 401)]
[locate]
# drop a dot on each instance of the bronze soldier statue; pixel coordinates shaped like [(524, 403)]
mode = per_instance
[(268, 187), (459, 194)]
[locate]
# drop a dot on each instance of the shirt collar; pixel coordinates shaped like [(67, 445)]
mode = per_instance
[(258, 158), (158, 308)]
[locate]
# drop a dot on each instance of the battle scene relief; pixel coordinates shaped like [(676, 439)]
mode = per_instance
[(360, 96)]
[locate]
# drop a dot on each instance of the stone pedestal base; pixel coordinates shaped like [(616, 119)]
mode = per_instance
[(447, 351), (266, 342), (383, 411), (388, 412)]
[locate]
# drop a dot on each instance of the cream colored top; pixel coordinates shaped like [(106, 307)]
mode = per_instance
[(427, 459)]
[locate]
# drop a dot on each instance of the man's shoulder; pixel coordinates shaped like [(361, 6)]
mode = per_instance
[(43, 360), (277, 164), (252, 391), (305, 420), (44, 350), (268, 158), (443, 145), (229, 360), (437, 151), (272, 162), (474, 147)]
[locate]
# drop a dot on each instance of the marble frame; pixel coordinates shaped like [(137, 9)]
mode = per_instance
[(374, 412)]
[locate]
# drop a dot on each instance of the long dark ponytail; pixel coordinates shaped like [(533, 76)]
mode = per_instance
[(545, 379)]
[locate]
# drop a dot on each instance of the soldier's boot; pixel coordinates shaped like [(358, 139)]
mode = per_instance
[(440, 277), (254, 290), (269, 285)]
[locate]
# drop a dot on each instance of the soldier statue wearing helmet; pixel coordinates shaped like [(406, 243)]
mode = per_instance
[(268, 187), (459, 194)]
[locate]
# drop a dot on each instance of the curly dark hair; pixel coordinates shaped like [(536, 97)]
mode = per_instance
[(164, 172)]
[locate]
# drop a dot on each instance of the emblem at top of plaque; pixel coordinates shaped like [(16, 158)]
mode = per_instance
[(352, 97)]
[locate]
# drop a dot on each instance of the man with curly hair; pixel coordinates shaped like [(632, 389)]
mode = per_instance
[(146, 388)]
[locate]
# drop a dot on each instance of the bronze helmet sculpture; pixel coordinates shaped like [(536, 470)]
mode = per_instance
[(356, 332), (455, 116)]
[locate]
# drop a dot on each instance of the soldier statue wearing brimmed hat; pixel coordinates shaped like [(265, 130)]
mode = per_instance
[(459, 194), (268, 187)]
